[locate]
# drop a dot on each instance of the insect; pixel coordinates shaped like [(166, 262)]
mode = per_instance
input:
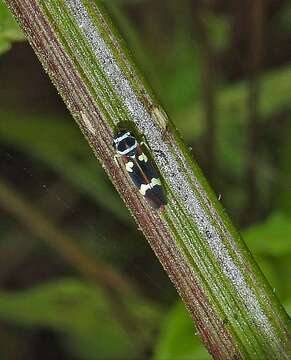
[(139, 168)]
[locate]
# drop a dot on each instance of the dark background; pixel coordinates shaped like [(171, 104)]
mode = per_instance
[(77, 279)]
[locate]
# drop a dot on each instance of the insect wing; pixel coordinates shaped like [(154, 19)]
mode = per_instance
[(146, 178), (147, 170), (156, 197)]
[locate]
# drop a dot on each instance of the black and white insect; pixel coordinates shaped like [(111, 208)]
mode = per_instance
[(139, 168)]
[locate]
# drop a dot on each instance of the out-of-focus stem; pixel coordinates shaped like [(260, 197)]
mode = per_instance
[(43, 228)]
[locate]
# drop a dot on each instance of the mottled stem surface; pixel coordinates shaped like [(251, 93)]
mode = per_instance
[(234, 309)]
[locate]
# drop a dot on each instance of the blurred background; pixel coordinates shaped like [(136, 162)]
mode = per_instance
[(77, 279)]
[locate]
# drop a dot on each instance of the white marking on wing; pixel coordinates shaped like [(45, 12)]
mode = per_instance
[(129, 165), (144, 187), (143, 157), (155, 182)]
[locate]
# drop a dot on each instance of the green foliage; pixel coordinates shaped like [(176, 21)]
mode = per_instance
[(9, 30), (270, 243), (81, 313), (177, 340), (271, 238)]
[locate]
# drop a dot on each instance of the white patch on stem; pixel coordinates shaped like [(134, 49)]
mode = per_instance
[(129, 165), (87, 123)]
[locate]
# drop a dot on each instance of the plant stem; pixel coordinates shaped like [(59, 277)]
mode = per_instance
[(235, 310)]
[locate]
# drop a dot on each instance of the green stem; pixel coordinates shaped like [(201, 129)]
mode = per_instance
[(234, 308)]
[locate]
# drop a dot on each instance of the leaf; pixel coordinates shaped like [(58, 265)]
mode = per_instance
[(177, 339), (272, 237), (78, 311), (270, 243), (9, 30)]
